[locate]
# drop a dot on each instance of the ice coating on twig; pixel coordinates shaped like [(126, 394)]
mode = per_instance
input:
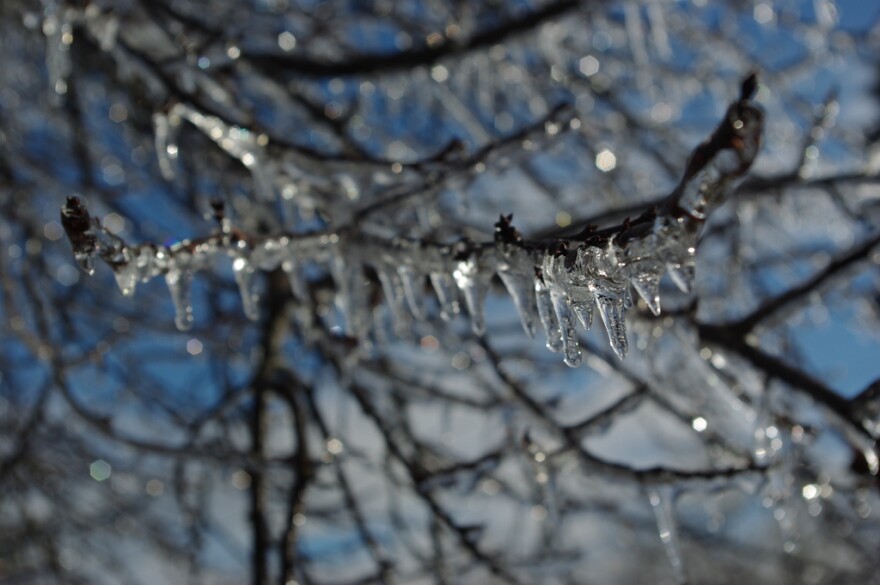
[(550, 282)]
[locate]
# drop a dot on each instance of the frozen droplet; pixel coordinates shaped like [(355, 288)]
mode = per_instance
[(548, 316), (571, 349), (412, 282), (179, 281), (611, 309), (444, 286), (243, 270), (647, 284), (522, 290), (662, 499)]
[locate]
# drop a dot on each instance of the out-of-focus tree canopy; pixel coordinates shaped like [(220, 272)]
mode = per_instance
[(280, 334)]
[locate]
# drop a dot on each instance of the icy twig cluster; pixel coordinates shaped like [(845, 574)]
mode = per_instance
[(556, 283)]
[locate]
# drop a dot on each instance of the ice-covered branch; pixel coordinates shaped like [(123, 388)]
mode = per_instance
[(555, 283)]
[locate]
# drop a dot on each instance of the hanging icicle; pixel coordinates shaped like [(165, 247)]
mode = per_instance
[(662, 499), (243, 269), (58, 29), (472, 275), (179, 281), (165, 129)]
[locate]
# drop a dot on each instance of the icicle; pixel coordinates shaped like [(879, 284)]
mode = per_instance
[(473, 280), (392, 287), (516, 269), (179, 281), (780, 487), (571, 349), (778, 498), (444, 286), (762, 451), (662, 501), (646, 282), (127, 276), (682, 275), (581, 285), (672, 242), (340, 272), (412, 282), (166, 144), (243, 269), (297, 284), (611, 309), (558, 281), (548, 316), (522, 291), (58, 29), (583, 308), (347, 272)]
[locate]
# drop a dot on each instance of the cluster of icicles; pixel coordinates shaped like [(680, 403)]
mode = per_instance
[(556, 289)]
